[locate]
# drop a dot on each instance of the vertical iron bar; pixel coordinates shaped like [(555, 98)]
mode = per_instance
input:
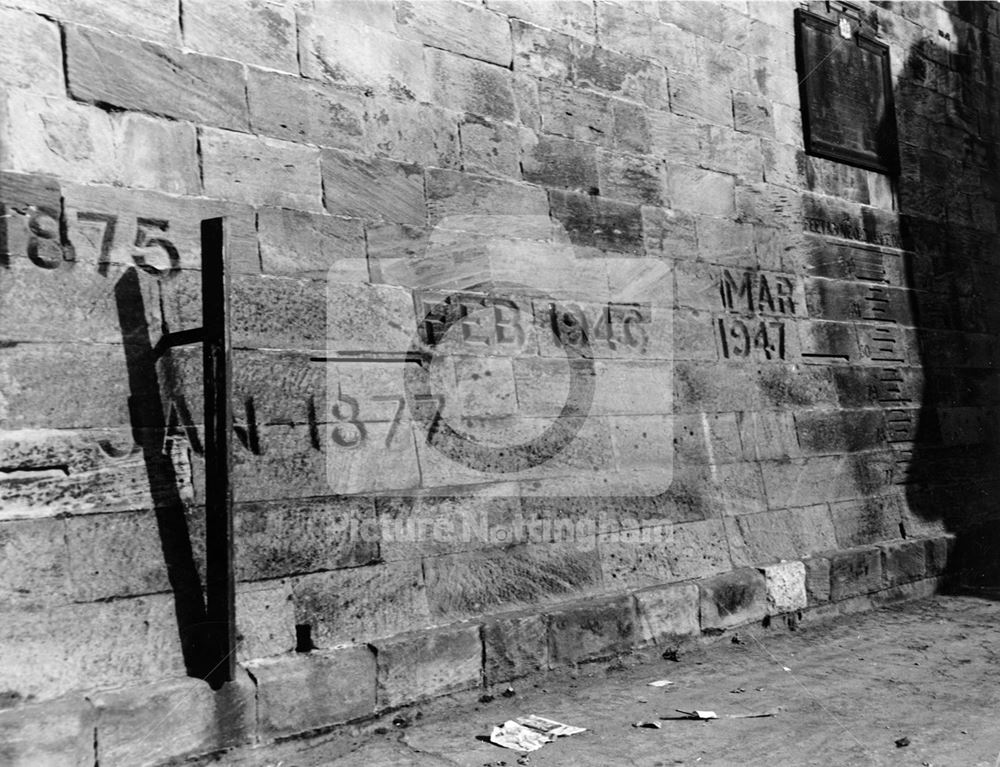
[(219, 577)]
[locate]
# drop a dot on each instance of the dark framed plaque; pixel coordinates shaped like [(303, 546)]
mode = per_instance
[(845, 86)]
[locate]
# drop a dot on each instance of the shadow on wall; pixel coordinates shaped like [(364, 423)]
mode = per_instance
[(948, 205), (150, 432)]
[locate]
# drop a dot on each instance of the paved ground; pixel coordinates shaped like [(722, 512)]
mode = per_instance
[(845, 691)]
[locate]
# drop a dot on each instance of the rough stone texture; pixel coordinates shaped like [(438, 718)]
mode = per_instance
[(667, 612), (903, 562), (817, 580), (304, 691), (854, 572), (138, 75), (514, 646), (594, 629), (732, 599), (59, 733), (372, 188), (260, 171), (260, 33), (173, 718), (786, 587), (415, 666), (30, 52), (464, 29)]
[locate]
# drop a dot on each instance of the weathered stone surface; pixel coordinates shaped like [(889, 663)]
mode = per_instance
[(869, 519), (414, 132), (542, 52), (667, 612), (465, 29), (468, 85), (556, 162), (33, 568), (260, 171), (903, 561), (785, 584), (782, 534), (491, 147), (591, 630), (480, 581), (149, 20), (571, 17), (265, 619), (723, 149), (304, 691), (668, 233), (48, 134), (30, 52), (291, 108), (617, 73), (700, 191), (753, 114), (694, 97), (597, 222), (144, 725), (854, 572), (372, 188), (351, 45), (630, 178), (938, 557), (362, 603), (817, 580), (660, 553), (139, 75), (57, 733), (288, 538), (802, 482), (86, 646), (158, 154), (724, 242), (576, 114), (300, 244), (454, 194), (119, 555), (840, 431), (259, 33), (732, 599), (514, 647), (423, 664)]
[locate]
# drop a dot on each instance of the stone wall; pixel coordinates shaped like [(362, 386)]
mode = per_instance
[(815, 431)]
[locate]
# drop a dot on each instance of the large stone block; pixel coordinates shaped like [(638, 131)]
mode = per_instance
[(700, 191), (817, 580), (576, 114), (591, 630), (33, 567), (360, 603), (803, 482), (468, 85), (410, 131), (479, 581), (599, 223), (840, 431), (903, 561), (785, 583), (295, 109), (48, 134), (424, 664), (262, 34), (571, 17), (372, 188), (854, 572), (869, 519), (300, 244), (158, 154), (753, 114), (602, 69), (143, 76), (454, 194), (667, 612), (265, 619), (301, 692), (288, 537), (732, 599), (30, 52), (557, 162), (630, 178), (938, 557), (146, 725), (351, 45), (542, 52), (260, 171), (465, 29), (491, 147), (148, 19), (514, 646), (781, 534), (692, 96), (57, 733)]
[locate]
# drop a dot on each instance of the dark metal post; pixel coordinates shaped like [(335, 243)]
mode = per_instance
[(217, 345)]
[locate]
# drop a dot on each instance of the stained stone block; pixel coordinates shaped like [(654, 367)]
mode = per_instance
[(467, 85), (423, 664), (733, 599), (556, 162), (591, 630), (263, 35), (57, 733), (305, 691), (464, 29), (667, 612), (514, 647), (854, 572), (817, 580), (785, 584), (903, 562)]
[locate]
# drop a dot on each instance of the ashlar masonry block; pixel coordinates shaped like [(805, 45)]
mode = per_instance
[(785, 584)]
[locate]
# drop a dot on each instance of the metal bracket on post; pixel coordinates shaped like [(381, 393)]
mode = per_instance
[(220, 613)]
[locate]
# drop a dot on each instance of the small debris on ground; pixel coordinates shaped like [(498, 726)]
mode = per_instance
[(510, 693), (902, 742), (670, 655), (648, 725), (530, 733), (487, 698), (660, 683), (756, 715), (738, 690), (695, 714), (737, 639)]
